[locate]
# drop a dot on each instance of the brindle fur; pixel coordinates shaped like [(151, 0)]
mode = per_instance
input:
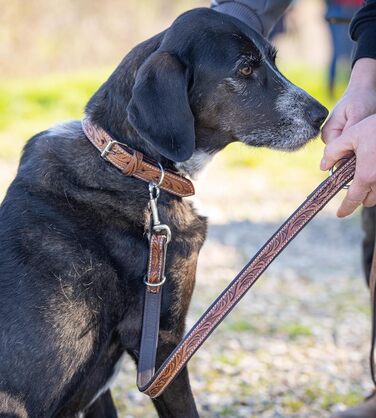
[(73, 248)]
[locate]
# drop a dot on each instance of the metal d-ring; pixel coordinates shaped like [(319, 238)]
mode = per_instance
[(154, 284), (155, 186), (165, 229), (333, 169), (161, 178)]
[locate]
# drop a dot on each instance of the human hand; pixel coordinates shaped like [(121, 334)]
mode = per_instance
[(351, 128), (361, 140), (358, 101)]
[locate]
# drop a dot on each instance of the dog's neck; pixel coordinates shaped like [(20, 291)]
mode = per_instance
[(109, 112), (107, 118)]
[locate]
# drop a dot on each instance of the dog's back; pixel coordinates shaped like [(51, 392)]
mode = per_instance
[(73, 253)]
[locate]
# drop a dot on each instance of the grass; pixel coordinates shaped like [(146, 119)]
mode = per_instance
[(28, 106), (295, 329)]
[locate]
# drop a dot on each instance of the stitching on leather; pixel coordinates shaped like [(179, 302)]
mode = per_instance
[(150, 260), (160, 244), (169, 175), (163, 187), (160, 263)]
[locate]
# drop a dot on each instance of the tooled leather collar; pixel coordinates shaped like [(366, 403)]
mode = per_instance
[(134, 163)]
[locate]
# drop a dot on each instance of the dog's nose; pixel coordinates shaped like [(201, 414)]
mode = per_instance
[(317, 114)]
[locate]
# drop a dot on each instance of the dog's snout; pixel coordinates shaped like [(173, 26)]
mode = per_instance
[(317, 114)]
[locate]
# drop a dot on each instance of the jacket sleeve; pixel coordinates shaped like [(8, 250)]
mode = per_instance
[(261, 15), (363, 31)]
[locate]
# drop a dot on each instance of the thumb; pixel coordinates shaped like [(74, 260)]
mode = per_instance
[(333, 128), (334, 151)]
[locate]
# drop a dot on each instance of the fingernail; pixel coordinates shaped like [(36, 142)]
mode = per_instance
[(323, 164)]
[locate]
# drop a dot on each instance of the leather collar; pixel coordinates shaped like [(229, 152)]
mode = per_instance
[(134, 163)]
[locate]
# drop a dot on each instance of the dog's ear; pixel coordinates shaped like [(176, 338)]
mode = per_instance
[(159, 108)]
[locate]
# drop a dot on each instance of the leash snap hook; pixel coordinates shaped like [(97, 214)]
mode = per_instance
[(153, 203), (154, 191)]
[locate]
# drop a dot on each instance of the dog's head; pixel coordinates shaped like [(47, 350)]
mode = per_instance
[(212, 81)]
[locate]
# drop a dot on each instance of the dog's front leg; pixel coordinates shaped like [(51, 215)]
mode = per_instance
[(103, 407), (177, 400)]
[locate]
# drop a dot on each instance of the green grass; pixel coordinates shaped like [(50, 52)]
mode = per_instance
[(28, 106), (295, 329)]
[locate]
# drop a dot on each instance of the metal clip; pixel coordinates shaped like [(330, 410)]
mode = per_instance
[(333, 169), (154, 192), (153, 203)]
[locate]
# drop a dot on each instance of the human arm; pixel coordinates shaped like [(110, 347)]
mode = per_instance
[(260, 15), (352, 124)]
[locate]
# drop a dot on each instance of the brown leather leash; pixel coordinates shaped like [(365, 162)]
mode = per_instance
[(131, 162)]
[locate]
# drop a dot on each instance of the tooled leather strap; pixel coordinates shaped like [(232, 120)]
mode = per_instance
[(134, 163), (246, 278)]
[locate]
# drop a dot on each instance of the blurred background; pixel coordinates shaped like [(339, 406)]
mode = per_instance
[(297, 345)]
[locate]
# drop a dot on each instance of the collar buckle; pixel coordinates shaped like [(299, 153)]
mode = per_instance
[(108, 148)]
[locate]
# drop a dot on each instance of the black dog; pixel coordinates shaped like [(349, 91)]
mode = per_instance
[(73, 250)]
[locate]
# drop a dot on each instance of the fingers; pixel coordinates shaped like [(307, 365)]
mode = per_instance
[(357, 193), (342, 118), (332, 128), (351, 129), (360, 189), (370, 199), (336, 150), (336, 123)]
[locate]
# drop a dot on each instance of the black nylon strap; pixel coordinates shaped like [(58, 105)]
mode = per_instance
[(149, 338)]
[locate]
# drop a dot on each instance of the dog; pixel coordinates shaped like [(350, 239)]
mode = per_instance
[(73, 248)]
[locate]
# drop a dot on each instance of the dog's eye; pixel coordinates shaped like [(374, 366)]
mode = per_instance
[(246, 70)]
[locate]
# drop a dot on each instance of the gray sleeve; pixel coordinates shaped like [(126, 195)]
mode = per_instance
[(261, 15)]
